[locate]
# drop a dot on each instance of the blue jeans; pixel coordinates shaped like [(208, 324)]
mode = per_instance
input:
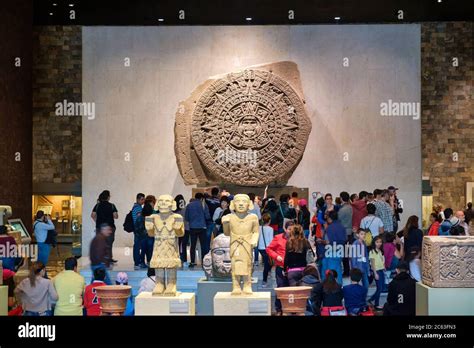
[(209, 231), (306, 233), (255, 255), (365, 280), (107, 278), (334, 263), (43, 252), (282, 281), (150, 242), (380, 284), (47, 313), (139, 249)]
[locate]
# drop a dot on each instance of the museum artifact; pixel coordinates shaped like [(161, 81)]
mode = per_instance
[(166, 227), (217, 264), (293, 299), (242, 227), (448, 261), (247, 128), (113, 298)]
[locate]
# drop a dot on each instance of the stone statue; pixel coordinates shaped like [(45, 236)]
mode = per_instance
[(217, 264), (243, 230), (166, 228), (247, 127)]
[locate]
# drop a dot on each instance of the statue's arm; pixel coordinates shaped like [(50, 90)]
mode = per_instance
[(226, 224), (255, 231), (150, 225), (178, 225)]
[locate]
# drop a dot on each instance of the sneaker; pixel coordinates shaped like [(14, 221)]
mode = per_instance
[(136, 267), (191, 265), (264, 284), (113, 261), (143, 265), (378, 308)]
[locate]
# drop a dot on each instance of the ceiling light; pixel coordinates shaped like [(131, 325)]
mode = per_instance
[(248, 18), (160, 20), (337, 18)]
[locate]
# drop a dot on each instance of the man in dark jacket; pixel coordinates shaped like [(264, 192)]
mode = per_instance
[(198, 217), (401, 293)]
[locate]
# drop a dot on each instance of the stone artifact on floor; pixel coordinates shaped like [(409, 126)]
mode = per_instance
[(242, 227), (217, 263), (166, 228), (247, 128)]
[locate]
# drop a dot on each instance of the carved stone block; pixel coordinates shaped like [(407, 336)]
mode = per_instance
[(247, 128), (448, 262)]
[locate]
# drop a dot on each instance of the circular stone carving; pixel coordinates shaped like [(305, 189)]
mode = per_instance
[(250, 128)]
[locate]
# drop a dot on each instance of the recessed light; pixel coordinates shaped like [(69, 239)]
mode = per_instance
[(248, 18), (337, 18), (440, 0), (71, 5), (55, 4), (51, 13), (160, 20)]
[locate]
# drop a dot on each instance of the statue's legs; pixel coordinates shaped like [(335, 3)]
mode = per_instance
[(171, 283), (247, 285), (160, 281), (236, 290)]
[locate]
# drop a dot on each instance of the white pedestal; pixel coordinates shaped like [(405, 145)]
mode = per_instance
[(181, 304), (444, 301), (259, 303), (3, 300)]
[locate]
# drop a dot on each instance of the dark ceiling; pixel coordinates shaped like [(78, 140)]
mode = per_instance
[(238, 12)]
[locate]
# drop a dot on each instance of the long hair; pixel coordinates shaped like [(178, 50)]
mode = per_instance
[(330, 283), (412, 222), (412, 254), (35, 269), (297, 240), (374, 248)]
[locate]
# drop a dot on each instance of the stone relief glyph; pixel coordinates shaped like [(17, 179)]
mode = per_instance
[(247, 128)]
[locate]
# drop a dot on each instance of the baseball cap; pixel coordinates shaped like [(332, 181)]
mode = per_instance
[(122, 278)]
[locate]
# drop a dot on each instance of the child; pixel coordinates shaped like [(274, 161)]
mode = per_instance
[(122, 279), (377, 262), (360, 257), (327, 296), (355, 294), (91, 301)]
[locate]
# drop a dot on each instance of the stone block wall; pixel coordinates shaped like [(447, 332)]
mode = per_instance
[(57, 76), (447, 121)]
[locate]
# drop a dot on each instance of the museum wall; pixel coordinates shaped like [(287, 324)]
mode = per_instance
[(15, 108), (137, 76), (57, 69), (447, 122)]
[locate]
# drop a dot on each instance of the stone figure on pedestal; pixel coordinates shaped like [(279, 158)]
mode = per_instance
[(166, 228), (242, 227), (217, 264)]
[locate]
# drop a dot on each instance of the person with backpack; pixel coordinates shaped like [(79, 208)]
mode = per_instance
[(105, 212), (372, 224), (139, 233), (42, 227)]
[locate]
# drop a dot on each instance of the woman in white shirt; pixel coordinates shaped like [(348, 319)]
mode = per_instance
[(264, 239)]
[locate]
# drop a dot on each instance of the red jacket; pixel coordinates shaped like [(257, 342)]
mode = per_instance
[(276, 248), (434, 229), (359, 211)]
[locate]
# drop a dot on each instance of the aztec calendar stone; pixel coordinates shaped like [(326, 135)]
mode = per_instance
[(247, 128)]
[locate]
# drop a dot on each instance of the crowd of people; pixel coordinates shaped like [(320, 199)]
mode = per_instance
[(300, 241)]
